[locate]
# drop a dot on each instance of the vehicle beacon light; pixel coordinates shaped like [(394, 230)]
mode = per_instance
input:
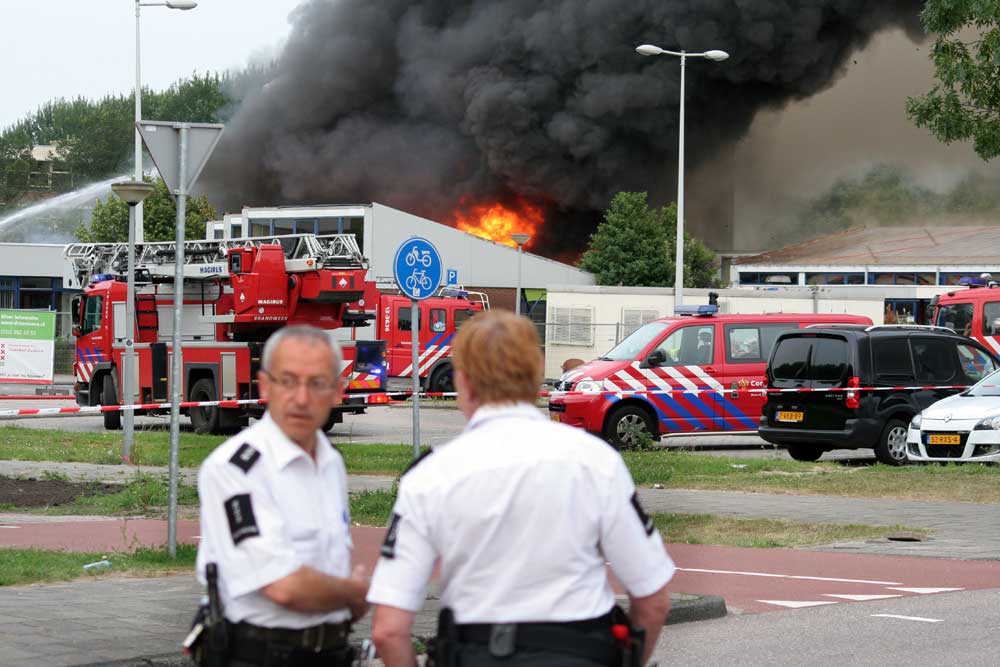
[(702, 310), (852, 401)]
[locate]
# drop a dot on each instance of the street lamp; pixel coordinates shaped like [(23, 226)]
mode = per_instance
[(717, 56), (132, 193), (170, 4), (520, 239)]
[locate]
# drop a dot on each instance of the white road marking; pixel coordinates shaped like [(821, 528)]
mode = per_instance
[(9, 526), (925, 591), (910, 618), (860, 598), (791, 576), (798, 604)]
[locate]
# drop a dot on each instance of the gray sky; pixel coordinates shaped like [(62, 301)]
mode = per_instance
[(68, 48)]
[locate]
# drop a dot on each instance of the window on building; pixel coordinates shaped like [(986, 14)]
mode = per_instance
[(260, 227), (633, 318), (900, 278), (572, 326), (8, 293), (764, 278), (39, 293), (835, 278), (955, 278)]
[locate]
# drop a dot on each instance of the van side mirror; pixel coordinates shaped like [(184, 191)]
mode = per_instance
[(656, 358), (76, 332)]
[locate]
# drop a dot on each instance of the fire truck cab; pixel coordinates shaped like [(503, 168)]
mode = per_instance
[(438, 319), (973, 311), (691, 373)]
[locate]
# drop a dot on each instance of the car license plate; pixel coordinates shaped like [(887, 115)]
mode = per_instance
[(944, 439), (554, 416), (795, 416)]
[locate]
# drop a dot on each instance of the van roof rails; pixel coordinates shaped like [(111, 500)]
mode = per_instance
[(838, 325), (916, 327)]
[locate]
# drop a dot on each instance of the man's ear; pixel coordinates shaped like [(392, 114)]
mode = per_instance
[(338, 394), (263, 388)]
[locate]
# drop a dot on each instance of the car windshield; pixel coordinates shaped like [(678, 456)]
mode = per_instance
[(988, 386), (636, 342)]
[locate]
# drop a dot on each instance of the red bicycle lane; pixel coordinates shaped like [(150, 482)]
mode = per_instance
[(750, 580)]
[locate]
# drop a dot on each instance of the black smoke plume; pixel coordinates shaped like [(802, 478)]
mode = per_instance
[(428, 105)]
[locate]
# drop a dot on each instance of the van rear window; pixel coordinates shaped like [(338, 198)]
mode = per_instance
[(810, 359)]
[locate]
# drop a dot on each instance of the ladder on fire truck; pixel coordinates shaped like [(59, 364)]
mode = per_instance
[(207, 259)]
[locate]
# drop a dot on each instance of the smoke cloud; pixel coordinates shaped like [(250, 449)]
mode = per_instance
[(429, 105)]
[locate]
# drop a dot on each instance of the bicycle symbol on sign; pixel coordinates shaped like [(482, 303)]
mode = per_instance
[(421, 256), (418, 277)]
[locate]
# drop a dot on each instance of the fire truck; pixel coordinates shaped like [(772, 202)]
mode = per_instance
[(236, 293), (973, 310)]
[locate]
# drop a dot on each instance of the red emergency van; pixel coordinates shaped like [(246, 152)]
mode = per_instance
[(691, 373)]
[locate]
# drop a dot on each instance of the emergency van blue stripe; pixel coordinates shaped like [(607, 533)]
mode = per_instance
[(681, 410), (731, 410), (664, 419), (706, 410)]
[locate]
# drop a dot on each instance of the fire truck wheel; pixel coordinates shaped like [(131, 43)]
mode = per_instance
[(628, 426), (336, 416), (442, 380), (204, 420), (805, 452), (112, 420)]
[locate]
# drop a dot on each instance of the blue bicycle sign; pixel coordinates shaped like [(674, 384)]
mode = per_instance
[(417, 268)]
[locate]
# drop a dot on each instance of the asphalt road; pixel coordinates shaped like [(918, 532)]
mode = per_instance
[(385, 424)]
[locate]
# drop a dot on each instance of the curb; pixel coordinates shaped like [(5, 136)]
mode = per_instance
[(686, 608)]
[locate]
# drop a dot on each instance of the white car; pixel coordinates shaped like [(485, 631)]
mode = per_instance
[(963, 427)]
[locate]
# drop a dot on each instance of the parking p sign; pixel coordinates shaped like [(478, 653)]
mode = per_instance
[(417, 268)]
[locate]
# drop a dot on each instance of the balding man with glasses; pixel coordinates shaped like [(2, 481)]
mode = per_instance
[(274, 516)]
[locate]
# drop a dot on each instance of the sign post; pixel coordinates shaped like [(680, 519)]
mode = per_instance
[(179, 151), (27, 345), (418, 272)]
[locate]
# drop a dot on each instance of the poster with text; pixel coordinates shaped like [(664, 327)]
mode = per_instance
[(27, 345)]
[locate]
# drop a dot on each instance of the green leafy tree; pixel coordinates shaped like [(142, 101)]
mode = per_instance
[(109, 219), (636, 244), (965, 103)]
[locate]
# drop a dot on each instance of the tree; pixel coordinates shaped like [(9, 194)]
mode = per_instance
[(965, 103), (636, 246), (109, 219)]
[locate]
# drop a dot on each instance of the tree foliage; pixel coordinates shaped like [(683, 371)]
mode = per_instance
[(636, 246), (965, 103), (109, 219)]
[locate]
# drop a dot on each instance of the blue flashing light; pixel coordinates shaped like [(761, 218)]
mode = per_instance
[(101, 277), (702, 310), (454, 293), (969, 281)]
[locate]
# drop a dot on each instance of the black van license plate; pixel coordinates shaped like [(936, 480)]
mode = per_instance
[(790, 415)]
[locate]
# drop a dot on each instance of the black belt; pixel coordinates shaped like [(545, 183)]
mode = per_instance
[(589, 638), (318, 638)]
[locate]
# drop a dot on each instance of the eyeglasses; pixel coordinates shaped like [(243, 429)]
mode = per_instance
[(314, 385)]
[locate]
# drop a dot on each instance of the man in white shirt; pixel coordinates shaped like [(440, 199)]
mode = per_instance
[(274, 516), (523, 515)]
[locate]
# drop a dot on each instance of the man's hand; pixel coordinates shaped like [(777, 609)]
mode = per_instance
[(360, 579)]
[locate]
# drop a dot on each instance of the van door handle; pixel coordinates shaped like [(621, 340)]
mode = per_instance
[(708, 369)]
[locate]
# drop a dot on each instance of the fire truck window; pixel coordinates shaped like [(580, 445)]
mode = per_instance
[(975, 363), (956, 316), (461, 316), (91, 314), (743, 344), (991, 318), (438, 320), (403, 319)]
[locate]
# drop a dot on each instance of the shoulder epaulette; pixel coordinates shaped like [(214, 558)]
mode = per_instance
[(245, 457)]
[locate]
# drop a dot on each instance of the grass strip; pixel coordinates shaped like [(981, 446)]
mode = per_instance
[(31, 566), (147, 495)]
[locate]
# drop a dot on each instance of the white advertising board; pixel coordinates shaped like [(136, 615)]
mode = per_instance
[(27, 344)]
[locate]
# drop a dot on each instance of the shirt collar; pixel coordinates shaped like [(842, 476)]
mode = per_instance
[(520, 410), (285, 450)]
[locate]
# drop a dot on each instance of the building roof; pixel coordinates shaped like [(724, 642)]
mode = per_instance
[(979, 244)]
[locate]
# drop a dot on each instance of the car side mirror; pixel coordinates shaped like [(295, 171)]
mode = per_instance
[(76, 332), (655, 358)]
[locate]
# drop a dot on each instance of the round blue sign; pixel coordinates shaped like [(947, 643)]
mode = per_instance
[(417, 268)]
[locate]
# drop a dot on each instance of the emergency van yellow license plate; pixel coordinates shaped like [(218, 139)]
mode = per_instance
[(554, 416), (940, 439), (795, 416)]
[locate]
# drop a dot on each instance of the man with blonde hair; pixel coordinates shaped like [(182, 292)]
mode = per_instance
[(522, 514)]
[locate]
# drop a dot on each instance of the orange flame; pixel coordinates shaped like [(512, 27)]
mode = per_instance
[(497, 222)]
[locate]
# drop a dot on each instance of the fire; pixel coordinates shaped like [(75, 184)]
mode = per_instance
[(497, 222)]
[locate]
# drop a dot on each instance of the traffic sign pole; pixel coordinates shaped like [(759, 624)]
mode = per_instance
[(414, 348)]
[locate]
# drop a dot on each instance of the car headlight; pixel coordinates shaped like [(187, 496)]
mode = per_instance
[(915, 423), (989, 424), (589, 386)]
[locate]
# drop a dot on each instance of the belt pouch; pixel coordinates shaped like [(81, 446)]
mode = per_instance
[(503, 640)]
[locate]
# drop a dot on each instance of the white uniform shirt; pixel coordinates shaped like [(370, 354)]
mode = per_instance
[(267, 509), (523, 513)]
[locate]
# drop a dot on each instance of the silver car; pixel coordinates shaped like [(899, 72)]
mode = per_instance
[(964, 427)]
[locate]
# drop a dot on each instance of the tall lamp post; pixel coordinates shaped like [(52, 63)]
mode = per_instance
[(132, 193), (520, 239), (650, 50), (171, 4)]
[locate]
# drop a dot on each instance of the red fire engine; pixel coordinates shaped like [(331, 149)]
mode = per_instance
[(236, 293), (972, 310)]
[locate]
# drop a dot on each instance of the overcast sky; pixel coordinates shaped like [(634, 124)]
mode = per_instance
[(67, 48)]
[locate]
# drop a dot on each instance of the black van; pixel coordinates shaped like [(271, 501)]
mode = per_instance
[(839, 358)]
